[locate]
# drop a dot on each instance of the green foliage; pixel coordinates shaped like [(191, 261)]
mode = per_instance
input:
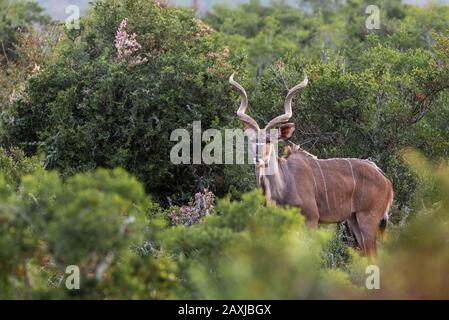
[(243, 249), (85, 100), (264, 33), (249, 250), (338, 251), (92, 221), (126, 118), (14, 164)]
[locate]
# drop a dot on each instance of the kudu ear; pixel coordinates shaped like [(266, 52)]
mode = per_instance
[(286, 131)]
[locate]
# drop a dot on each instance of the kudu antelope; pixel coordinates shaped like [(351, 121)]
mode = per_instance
[(326, 191)]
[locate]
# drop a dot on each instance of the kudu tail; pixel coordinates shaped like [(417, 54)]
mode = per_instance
[(383, 229), (384, 222)]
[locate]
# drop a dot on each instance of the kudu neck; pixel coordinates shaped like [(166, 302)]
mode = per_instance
[(272, 178)]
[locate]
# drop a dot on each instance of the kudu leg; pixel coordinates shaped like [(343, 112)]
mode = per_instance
[(368, 224), (310, 212), (354, 226)]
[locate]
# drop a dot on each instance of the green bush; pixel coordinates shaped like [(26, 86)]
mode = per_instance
[(97, 102), (34, 49), (91, 107), (367, 99), (241, 249), (14, 164), (91, 220), (237, 250), (247, 250)]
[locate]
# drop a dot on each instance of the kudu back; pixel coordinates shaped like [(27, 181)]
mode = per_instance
[(326, 190)]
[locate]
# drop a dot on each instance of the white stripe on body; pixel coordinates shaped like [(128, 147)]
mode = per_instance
[(325, 186), (353, 185)]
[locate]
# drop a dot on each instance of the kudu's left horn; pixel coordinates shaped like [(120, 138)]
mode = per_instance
[(243, 105)]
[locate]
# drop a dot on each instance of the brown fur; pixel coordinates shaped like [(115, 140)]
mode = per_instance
[(332, 191), (326, 191)]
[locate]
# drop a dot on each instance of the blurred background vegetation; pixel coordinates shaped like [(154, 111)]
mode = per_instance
[(85, 128)]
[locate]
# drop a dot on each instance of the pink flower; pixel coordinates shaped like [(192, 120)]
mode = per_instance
[(199, 207), (127, 46)]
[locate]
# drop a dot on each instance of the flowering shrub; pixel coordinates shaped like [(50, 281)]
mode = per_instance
[(199, 206), (204, 29), (125, 119), (218, 55), (127, 45)]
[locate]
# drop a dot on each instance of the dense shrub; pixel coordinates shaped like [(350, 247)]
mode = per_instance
[(265, 32), (242, 249), (268, 32), (199, 207), (110, 94), (249, 250), (92, 221), (94, 105), (96, 222)]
